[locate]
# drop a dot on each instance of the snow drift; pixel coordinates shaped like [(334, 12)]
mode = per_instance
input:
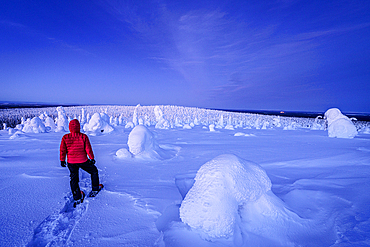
[(339, 125)]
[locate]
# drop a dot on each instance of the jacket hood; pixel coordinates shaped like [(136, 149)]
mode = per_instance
[(74, 126)]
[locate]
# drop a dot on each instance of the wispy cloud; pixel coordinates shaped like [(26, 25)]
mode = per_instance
[(329, 32), (36, 34), (208, 47), (144, 19), (11, 24)]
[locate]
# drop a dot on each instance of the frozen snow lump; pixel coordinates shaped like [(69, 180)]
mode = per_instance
[(221, 186), (339, 125)]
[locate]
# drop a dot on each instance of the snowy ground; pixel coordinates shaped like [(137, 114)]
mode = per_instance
[(322, 187)]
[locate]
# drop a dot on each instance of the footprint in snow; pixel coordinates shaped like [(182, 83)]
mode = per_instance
[(57, 228)]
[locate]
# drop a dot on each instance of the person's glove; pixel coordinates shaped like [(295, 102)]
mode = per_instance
[(63, 163), (92, 162)]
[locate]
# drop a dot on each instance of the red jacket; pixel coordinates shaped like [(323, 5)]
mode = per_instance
[(75, 145)]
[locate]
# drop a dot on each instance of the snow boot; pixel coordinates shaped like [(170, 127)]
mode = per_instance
[(76, 202), (93, 193)]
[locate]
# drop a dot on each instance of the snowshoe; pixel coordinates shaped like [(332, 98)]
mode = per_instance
[(76, 202), (93, 193)]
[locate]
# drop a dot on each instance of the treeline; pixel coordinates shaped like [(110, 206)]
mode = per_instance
[(175, 116)]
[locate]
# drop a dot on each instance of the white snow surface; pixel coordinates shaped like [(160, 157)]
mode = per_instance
[(318, 195)]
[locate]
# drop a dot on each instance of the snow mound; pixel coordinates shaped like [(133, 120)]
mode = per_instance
[(221, 186), (243, 134), (35, 125), (339, 125), (123, 153), (18, 134), (97, 124), (142, 144), (239, 134)]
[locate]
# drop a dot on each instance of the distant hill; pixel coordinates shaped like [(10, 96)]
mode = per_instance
[(358, 116), (9, 105)]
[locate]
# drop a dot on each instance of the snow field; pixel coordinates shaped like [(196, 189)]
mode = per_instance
[(307, 190)]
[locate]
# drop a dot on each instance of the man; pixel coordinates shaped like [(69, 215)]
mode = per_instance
[(76, 146)]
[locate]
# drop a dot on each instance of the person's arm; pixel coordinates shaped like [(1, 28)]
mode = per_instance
[(63, 153), (88, 148), (63, 150)]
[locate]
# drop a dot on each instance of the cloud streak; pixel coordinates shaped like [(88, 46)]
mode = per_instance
[(28, 32)]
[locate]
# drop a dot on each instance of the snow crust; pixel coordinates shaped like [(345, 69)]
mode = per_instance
[(339, 125), (221, 186)]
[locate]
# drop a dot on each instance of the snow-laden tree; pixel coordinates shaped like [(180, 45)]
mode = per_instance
[(97, 125), (161, 122), (35, 125), (49, 123), (221, 186), (316, 125), (62, 120), (135, 117), (83, 117), (339, 125)]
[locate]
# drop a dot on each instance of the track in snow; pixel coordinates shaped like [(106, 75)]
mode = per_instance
[(57, 228)]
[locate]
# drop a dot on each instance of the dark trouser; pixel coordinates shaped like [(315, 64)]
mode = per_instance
[(87, 167)]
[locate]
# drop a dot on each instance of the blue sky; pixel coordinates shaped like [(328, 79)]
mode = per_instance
[(252, 55)]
